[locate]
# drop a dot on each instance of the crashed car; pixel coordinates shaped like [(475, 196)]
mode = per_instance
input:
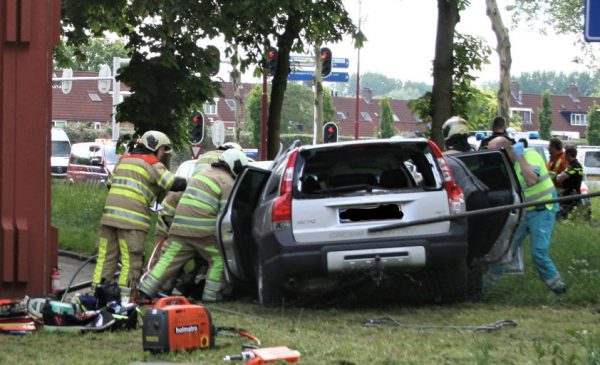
[(311, 222)]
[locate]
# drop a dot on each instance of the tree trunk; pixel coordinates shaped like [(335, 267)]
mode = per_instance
[(279, 83), (239, 102), (318, 79), (443, 66), (504, 56)]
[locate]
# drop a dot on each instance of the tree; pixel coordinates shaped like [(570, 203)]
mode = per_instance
[(593, 129), (254, 113), (386, 130), (545, 117), (504, 55), (89, 57)]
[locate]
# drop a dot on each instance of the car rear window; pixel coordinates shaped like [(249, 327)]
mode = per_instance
[(592, 159), (376, 167)]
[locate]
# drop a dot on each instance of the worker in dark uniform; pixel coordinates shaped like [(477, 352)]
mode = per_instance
[(498, 130), (570, 181)]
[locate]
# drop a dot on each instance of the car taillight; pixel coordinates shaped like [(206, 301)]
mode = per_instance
[(282, 205), (456, 198)]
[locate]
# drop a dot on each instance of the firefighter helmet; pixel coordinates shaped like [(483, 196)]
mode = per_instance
[(455, 126), (227, 145), (235, 160), (153, 140)]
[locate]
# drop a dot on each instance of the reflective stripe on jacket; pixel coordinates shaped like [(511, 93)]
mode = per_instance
[(206, 159), (544, 188), (135, 183), (197, 211)]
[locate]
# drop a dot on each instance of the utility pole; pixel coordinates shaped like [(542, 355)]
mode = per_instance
[(358, 76), (318, 81)]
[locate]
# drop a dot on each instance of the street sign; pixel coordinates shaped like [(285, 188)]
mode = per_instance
[(340, 62), (104, 85), (218, 133), (195, 151), (67, 84), (592, 21), (308, 76)]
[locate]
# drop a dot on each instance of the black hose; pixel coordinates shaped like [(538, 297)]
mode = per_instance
[(75, 275)]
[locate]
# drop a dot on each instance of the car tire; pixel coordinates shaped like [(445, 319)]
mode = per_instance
[(269, 287), (475, 283), (450, 285)]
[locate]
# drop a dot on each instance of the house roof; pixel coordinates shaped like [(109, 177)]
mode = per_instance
[(83, 103)]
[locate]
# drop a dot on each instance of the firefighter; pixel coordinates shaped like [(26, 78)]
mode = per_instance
[(558, 163), (194, 226), (539, 220), (138, 179), (570, 181), (456, 135)]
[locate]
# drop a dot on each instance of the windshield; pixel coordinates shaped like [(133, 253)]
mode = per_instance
[(61, 149), (111, 155)]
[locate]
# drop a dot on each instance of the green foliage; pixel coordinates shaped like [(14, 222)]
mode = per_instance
[(386, 129), (89, 57), (593, 129), (81, 132), (545, 117), (382, 85), (254, 115), (476, 106), (558, 83)]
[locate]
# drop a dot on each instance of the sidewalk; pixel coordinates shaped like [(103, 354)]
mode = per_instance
[(69, 265)]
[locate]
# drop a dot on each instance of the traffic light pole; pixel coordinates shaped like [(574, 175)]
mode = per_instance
[(263, 133)]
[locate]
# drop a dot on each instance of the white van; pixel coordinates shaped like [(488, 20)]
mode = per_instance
[(61, 149), (589, 157)]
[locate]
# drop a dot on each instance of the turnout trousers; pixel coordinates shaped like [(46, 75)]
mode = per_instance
[(126, 244), (178, 251)]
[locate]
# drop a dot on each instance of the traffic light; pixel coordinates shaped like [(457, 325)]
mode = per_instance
[(214, 60), (272, 60), (197, 132), (326, 59), (330, 133)]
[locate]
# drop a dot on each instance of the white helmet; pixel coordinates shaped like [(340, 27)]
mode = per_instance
[(227, 145), (235, 159), (455, 126), (153, 140)]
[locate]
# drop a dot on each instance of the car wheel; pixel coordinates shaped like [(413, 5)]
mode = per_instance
[(269, 287), (475, 283), (450, 285)]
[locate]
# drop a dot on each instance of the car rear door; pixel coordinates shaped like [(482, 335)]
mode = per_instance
[(488, 180), (234, 225)]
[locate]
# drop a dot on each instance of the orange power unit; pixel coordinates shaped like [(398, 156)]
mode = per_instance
[(173, 323)]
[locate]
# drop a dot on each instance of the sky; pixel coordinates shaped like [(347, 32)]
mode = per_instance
[(401, 41)]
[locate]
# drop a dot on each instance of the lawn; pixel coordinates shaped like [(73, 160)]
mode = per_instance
[(550, 329)]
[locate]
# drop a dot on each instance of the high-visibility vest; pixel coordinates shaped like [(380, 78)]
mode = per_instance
[(134, 185), (544, 188), (204, 197)]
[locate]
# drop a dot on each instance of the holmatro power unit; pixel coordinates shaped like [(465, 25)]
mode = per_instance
[(175, 324)]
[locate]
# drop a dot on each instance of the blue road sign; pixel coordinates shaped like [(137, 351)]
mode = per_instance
[(308, 76), (592, 21), (340, 62)]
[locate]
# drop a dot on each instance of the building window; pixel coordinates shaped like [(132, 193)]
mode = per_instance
[(97, 126), (341, 116), (524, 115), (395, 118), (210, 109), (59, 123), (366, 116), (578, 119), (230, 103)]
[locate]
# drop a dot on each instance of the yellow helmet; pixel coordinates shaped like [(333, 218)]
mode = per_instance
[(153, 140)]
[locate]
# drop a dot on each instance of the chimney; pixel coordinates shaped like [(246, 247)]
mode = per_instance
[(573, 93), (515, 91), (367, 94)]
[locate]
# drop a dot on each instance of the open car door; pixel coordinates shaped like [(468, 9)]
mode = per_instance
[(488, 180), (234, 228)]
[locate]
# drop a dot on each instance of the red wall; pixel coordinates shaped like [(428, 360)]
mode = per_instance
[(28, 244)]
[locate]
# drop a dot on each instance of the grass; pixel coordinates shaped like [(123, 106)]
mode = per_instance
[(550, 330)]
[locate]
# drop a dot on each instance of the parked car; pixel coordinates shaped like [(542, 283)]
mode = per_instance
[(91, 162), (589, 156), (302, 225), (61, 149)]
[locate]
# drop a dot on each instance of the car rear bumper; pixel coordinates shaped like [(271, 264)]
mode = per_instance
[(280, 253)]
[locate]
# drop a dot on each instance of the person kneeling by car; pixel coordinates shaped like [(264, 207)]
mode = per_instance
[(194, 227)]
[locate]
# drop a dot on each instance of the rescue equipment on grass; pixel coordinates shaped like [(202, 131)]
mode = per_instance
[(14, 319), (266, 355)]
